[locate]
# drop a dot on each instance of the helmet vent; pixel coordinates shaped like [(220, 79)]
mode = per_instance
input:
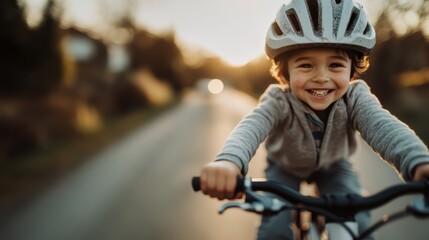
[(291, 14), (337, 1), (277, 29), (367, 29), (313, 6), (352, 22)]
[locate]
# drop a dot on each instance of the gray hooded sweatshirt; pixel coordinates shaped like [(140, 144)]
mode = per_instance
[(298, 142)]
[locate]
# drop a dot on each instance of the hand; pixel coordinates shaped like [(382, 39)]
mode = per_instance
[(421, 172), (219, 179)]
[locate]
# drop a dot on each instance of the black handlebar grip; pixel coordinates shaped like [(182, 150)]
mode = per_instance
[(196, 184), (197, 187), (426, 195)]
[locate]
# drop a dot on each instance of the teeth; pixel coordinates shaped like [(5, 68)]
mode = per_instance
[(319, 93)]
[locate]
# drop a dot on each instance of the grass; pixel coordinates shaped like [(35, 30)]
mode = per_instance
[(30, 174)]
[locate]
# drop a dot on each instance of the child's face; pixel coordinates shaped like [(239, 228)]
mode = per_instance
[(319, 77)]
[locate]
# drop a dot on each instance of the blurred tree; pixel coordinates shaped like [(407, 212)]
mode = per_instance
[(31, 61), (162, 56), (257, 73), (118, 20), (400, 24), (407, 16)]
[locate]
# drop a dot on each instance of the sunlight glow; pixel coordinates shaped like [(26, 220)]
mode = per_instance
[(233, 30), (215, 86)]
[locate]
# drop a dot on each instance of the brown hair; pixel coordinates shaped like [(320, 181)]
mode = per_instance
[(360, 63)]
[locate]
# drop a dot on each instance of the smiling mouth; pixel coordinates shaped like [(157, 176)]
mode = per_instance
[(319, 92)]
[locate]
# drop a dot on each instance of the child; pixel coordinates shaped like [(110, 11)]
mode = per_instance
[(310, 119)]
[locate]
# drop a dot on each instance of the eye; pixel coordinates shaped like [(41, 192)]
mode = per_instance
[(305, 65), (336, 65)]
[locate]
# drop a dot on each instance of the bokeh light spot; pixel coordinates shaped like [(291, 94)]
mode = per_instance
[(215, 86)]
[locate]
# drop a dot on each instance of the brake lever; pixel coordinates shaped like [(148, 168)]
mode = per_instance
[(419, 208), (250, 207), (256, 203), (266, 206)]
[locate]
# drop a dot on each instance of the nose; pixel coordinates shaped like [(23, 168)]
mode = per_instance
[(321, 75)]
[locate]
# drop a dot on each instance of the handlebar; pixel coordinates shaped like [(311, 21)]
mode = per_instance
[(196, 186), (345, 203), (335, 207)]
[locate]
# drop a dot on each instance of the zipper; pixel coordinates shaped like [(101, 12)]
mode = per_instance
[(317, 133), (327, 127)]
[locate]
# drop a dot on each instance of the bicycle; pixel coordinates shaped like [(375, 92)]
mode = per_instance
[(338, 209)]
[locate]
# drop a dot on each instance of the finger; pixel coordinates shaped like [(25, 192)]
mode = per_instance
[(211, 185), (220, 187), (203, 182), (230, 186), (206, 181)]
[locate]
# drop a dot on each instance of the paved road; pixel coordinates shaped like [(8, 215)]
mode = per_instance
[(139, 188)]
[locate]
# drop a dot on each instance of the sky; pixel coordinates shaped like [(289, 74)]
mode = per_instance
[(232, 29)]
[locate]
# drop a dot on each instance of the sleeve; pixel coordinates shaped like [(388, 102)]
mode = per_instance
[(388, 136), (253, 129)]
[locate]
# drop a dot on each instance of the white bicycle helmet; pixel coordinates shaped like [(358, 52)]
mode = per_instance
[(315, 23)]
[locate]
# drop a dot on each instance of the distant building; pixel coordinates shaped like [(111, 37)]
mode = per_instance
[(93, 56)]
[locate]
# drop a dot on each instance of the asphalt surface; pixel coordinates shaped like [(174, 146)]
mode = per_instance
[(139, 188)]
